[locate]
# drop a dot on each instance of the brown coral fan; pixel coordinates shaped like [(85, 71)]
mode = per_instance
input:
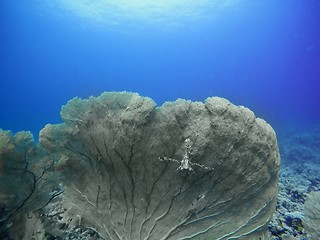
[(108, 150)]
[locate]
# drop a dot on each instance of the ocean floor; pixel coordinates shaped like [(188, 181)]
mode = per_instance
[(298, 205)]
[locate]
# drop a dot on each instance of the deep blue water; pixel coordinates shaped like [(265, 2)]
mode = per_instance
[(261, 54)]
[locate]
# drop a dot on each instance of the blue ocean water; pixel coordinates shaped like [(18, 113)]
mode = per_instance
[(261, 54)]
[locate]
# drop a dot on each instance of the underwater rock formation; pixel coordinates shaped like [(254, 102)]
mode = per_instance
[(185, 170)]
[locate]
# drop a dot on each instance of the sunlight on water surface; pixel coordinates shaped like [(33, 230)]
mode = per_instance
[(155, 12)]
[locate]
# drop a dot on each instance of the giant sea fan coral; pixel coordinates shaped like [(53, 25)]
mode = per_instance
[(312, 215), (108, 150), (27, 182)]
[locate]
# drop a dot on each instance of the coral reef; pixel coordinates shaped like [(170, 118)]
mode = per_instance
[(126, 169), (298, 200), (27, 182)]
